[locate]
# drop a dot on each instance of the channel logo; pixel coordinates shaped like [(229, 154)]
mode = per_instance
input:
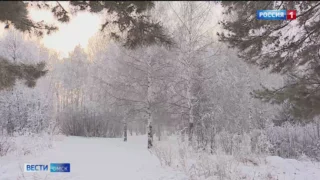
[(54, 167), (35, 167), (60, 167), (276, 14)]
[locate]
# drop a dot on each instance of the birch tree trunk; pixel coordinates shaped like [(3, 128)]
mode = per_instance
[(318, 127), (130, 130), (125, 130), (190, 113), (213, 133), (150, 134), (159, 132), (149, 100), (189, 71)]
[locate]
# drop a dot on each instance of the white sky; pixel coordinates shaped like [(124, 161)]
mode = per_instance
[(78, 31)]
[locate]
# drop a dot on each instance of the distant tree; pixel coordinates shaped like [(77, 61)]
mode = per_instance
[(287, 47), (194, 49)]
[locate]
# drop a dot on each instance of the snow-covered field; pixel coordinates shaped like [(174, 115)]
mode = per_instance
[(113, 159), (92, 159)]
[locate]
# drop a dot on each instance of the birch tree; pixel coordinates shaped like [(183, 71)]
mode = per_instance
[(195, 49), (137, 79)]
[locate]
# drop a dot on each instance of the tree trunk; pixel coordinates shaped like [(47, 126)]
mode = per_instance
[(159, 132), (190, 113), (150, 134), (130, 130), (150, 99), (213, 133), (125, 134), (137, 130), (318, 128), (190, 131)]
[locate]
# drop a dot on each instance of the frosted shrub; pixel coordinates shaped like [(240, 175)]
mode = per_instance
[(197, 165), (164, 154), (223, 168), (233, 144), (83, 124), (224, 140), (206, 166), (242, 149), (293, 141), (260, 143), (31, 143), (5, 145)]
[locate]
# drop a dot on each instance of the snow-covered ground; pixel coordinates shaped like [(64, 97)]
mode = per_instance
[(105, 158), (92, 159), (240, 166)]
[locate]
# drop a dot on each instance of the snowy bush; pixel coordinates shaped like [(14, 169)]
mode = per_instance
[(32, 143), (201, 165), (194, 165), (5, 145), (26, 144), (83, 124), (241, 145), (165, 155), (197, 165), (224, 141), (259, 142), (294, 141), (287, 141)]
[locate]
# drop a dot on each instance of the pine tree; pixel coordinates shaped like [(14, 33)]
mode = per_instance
[(130, 19), (10, 72), (288, 47), (15, 12)]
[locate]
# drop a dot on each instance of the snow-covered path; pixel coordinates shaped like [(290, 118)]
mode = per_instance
[(93, 159)]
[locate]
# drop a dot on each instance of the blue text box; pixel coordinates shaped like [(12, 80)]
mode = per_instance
[(60, 167), (271, 14)]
